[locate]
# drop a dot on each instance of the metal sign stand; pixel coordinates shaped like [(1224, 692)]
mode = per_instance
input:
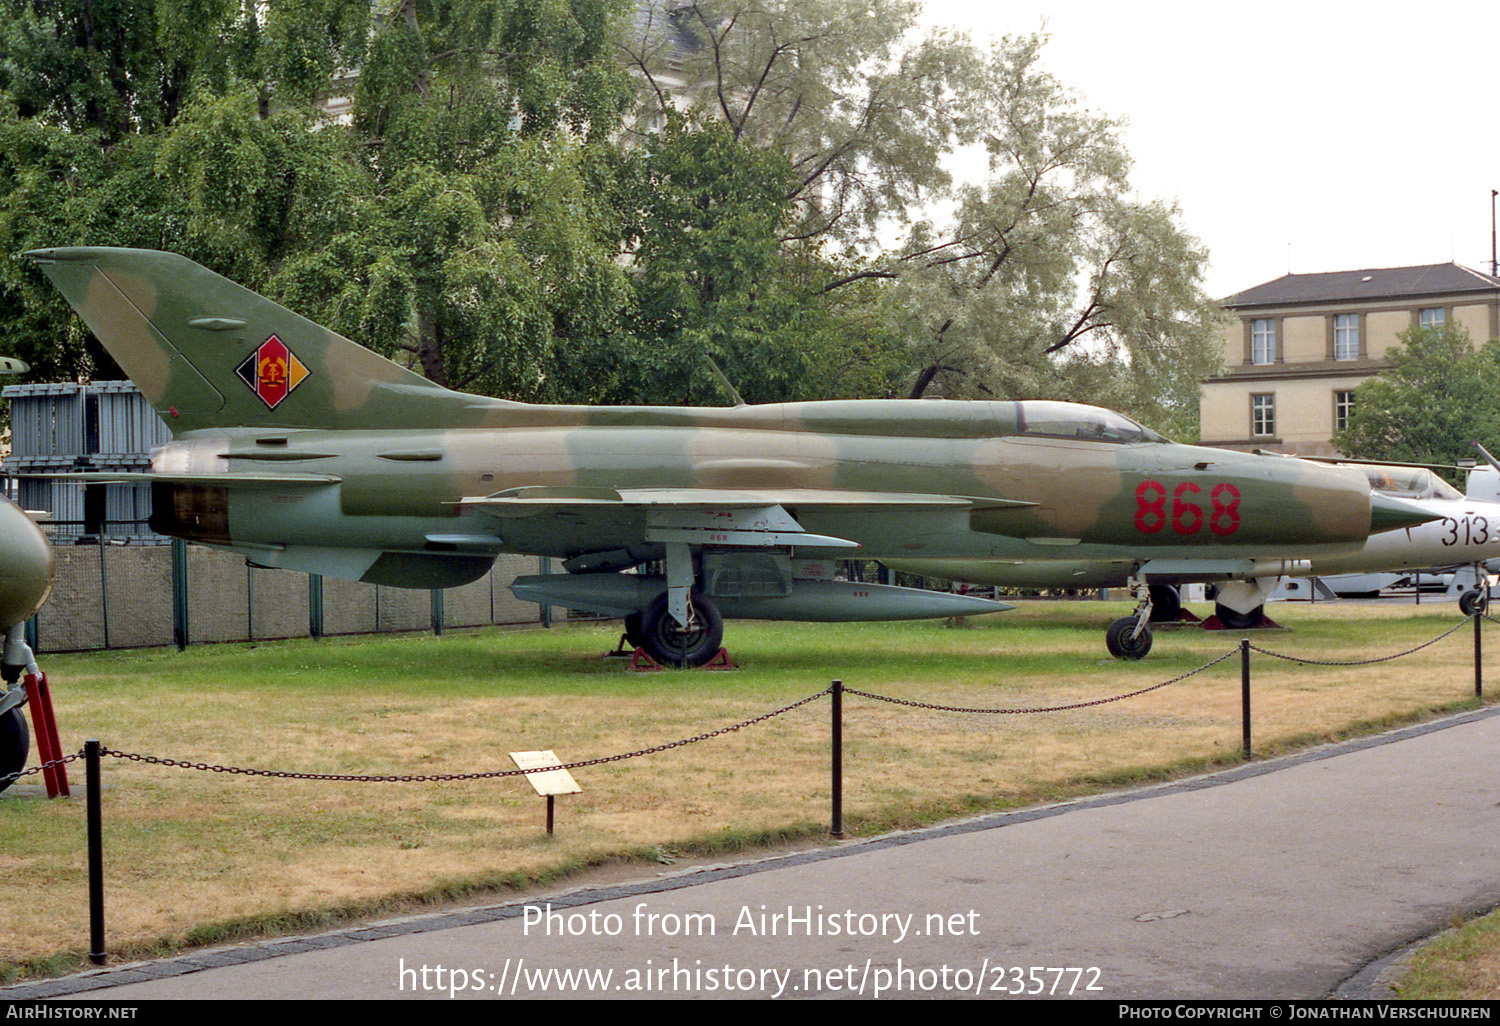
[(543, 772)]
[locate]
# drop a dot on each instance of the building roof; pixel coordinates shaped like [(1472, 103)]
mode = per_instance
[(1372, 283), (669, 22)]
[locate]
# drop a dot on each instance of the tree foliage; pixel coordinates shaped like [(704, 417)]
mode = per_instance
[(480, 238), (115, 67), (1434, 401), (456, 215), (861, 106), (1052, 269), (492, 210), (1051, 278)]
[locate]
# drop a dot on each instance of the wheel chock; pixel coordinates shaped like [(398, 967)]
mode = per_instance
[(640, 660), (1213, 623), (720, 661)]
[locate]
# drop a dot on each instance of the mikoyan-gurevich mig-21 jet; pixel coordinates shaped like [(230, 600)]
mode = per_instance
[(26, 574), (25, 580), (300, 449)]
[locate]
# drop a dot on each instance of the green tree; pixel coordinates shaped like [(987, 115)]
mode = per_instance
[(477, 214), (1437, 397), (1051, 278), (705, 218), (1053, 269), (482, 280), (459, 216), (116, 67), (862, 107), (482, 235), (88, 89)]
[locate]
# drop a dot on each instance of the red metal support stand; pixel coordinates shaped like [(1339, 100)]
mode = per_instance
[(44, 725)]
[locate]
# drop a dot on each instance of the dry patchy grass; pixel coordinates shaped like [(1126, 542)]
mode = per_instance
[(1463, 964), (194, 856)]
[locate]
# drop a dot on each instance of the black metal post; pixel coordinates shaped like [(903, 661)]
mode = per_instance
[(1245, 696), (103, 590), (544, 565), (1494, 261), (837, 758), (550, 800), (179, 594), (1478, 656), (96, 853), (315, 606)]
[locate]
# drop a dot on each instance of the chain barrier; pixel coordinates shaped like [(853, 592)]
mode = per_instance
[(1362, 662), (494, 774), (442, 777), (1043, 709), (11, 778)]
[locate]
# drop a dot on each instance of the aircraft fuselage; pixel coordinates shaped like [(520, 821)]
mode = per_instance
[(1055, 497)]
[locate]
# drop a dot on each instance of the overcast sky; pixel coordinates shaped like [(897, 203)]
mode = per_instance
[(1295, 136)]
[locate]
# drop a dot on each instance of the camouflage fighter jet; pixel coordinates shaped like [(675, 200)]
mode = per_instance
[(25, 581), (1461, 530), (299, 449), (26, 574)]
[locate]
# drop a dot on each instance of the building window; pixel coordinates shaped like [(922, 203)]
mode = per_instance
[(1343, 408), (1262, 415), (1432, 317), (1263, 340), (1346, 337)]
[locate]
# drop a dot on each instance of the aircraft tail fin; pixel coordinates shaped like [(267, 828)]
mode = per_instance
[(207, 352), (1483, 485), (1484, 482)]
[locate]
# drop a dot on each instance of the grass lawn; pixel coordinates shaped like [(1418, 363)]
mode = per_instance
[(197, 857), (1463, 964)]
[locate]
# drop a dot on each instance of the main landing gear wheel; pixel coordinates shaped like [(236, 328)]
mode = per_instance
[(668, 643), (1237, 621), (633, 630), (1473, 601), (1124, 643), (1166, 604), (15, 744)]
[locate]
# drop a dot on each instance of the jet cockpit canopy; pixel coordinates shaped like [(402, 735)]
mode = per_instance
[(1074, 420)]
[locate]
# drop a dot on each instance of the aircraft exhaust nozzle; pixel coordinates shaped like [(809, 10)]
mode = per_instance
[(1388, 513)]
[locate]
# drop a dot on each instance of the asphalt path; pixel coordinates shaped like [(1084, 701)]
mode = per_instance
[(1298, 878)]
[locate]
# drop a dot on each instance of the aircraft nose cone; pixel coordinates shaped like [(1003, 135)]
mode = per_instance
[(1390, 514), (25, 565)]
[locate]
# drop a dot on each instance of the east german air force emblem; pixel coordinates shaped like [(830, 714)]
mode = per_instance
[(272, 371)]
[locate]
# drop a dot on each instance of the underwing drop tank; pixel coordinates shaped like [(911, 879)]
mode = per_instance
[(615, 594)]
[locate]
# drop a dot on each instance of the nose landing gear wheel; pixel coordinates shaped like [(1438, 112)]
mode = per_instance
[(1124, 643), (15, 743)]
